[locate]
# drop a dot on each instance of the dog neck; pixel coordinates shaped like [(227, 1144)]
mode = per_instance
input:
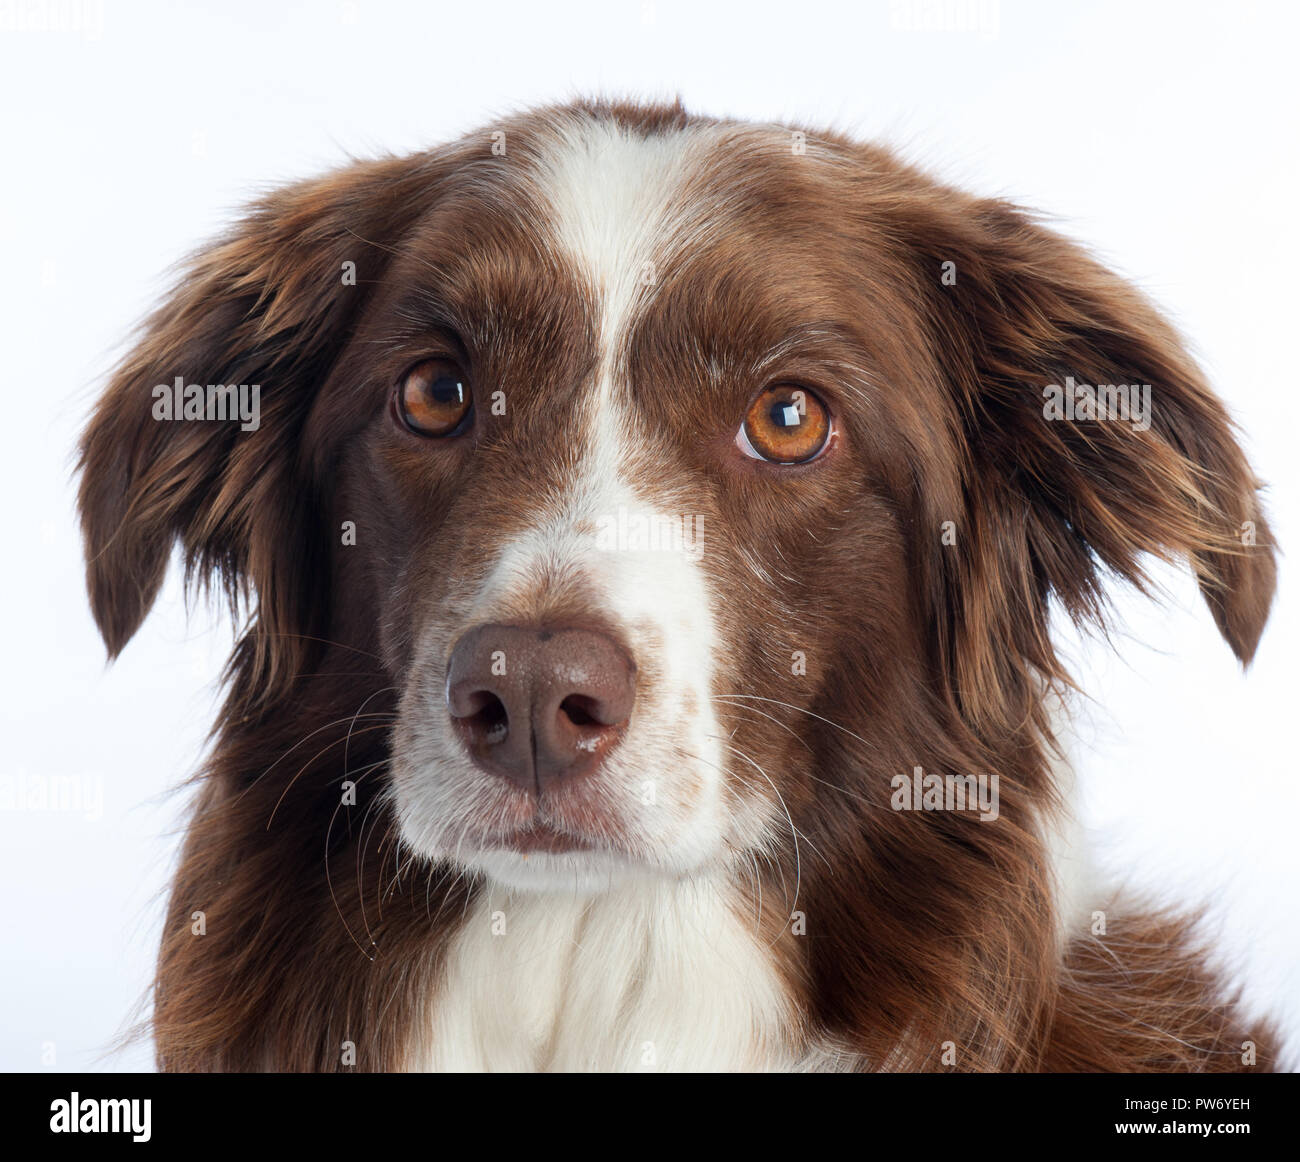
[(659, 975)]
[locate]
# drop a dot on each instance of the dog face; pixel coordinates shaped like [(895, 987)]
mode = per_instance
[(616, 472), (698, 478)]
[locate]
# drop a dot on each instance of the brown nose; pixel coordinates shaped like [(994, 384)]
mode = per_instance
[(539, 705)]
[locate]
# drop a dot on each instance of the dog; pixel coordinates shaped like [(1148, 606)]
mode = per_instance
[(645, 543)]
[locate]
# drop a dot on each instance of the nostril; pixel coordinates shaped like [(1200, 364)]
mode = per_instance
[(580, 711), (484, 715), (491, 718)]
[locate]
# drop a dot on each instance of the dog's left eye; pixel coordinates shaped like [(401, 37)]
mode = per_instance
[(786, 424), (434, 398)]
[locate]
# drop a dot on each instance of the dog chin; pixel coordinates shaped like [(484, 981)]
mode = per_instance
[(585, 873)]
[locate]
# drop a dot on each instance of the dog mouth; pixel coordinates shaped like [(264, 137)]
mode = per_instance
[(540, 838)]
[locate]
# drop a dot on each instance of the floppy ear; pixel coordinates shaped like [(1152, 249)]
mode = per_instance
[(268, 305), (1051, 503)]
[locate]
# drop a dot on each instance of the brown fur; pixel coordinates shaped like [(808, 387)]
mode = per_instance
[(923, 928)]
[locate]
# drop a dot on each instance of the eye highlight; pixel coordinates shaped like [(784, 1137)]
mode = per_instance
[(434, 398), (786, 424)]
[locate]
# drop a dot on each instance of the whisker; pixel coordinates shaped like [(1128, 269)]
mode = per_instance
[(771, 718), (798, 709), (801, 710), (353, 723), (337, 722), (307, 766), (776, 864), (360, 865), (329, 882), (324, 641), (793, 828)]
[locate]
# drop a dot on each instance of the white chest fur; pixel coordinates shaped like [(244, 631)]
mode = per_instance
[(663, 976)]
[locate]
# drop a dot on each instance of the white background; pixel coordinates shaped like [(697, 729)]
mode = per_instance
[(1163, 135)]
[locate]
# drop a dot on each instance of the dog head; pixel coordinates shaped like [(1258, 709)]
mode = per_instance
[(683, 479)]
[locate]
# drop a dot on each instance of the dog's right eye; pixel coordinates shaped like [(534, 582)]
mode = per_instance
[(434, 399)]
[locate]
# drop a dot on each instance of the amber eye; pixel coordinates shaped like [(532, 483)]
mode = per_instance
[(785, 424), (434, 399)]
